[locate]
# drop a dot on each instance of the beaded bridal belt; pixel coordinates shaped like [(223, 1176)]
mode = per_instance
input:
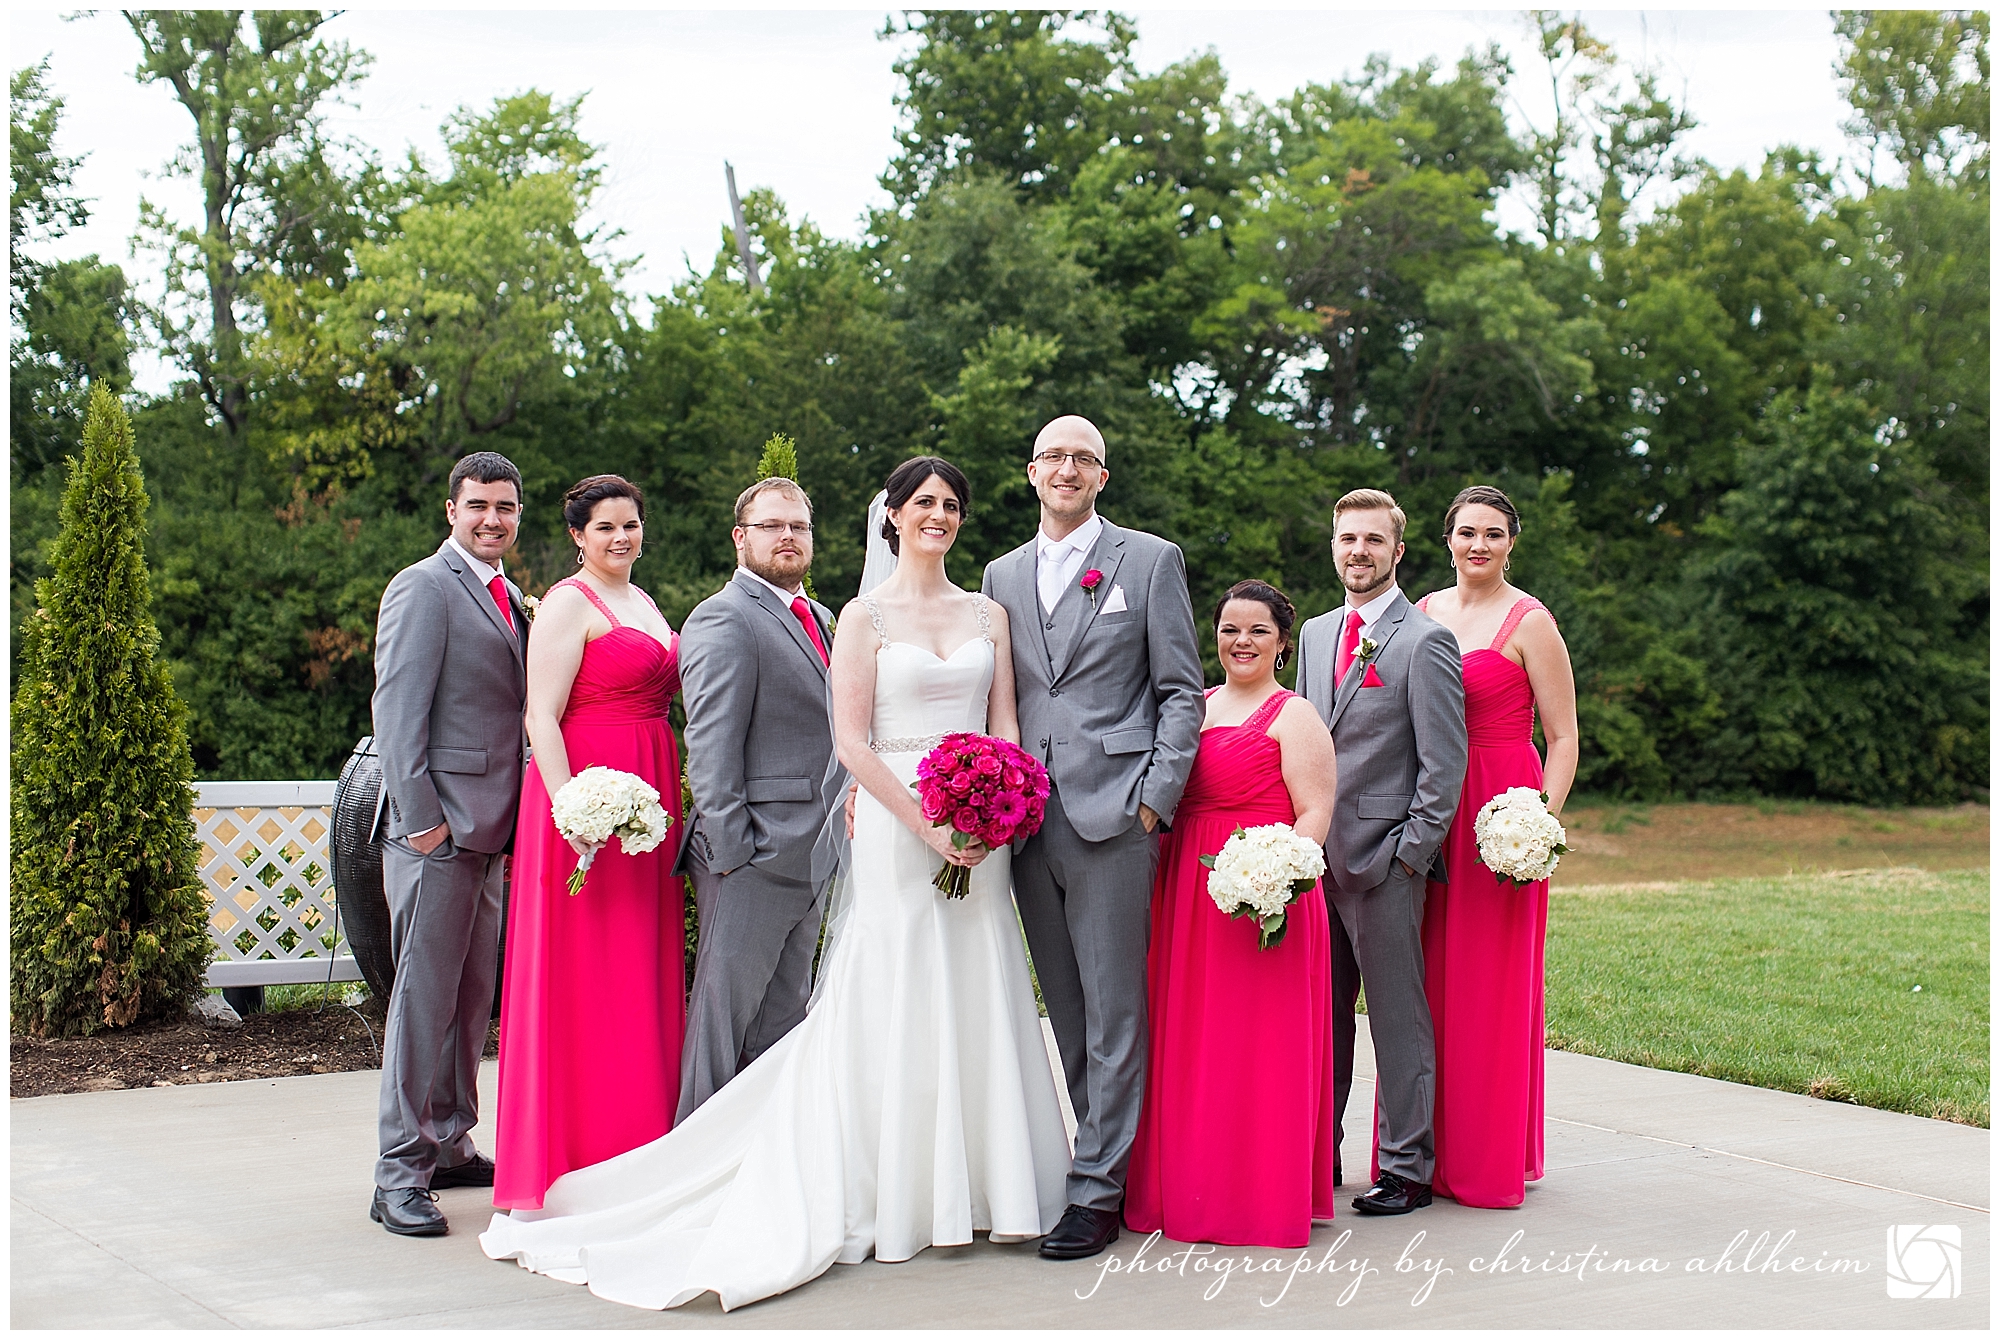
[(906, 744)]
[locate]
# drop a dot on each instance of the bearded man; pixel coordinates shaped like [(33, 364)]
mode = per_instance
[(1388, 682), (753, 662)]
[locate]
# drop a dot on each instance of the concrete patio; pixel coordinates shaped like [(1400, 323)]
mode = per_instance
[(1670, 1202)]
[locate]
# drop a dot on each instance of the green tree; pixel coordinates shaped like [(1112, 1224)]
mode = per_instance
[(108, 920), (69, 330), (257, 84), (1918, 82), (781, 460), (1836, 601), (1007, 91)]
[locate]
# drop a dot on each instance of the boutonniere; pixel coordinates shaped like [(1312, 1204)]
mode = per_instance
[(1089, 583), (1366, 651), (531, 604)]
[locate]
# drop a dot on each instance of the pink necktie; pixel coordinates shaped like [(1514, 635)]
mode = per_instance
[(805, 617), (1350, 642), (498, 586)]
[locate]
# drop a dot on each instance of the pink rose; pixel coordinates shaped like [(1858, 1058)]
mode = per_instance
[(965, 821), (961, 781), (1091, 579)]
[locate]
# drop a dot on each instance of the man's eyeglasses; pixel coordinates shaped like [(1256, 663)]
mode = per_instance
[(1084, 460), (775, 528)]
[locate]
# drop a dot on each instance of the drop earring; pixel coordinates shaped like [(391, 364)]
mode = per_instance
[(579, 556)]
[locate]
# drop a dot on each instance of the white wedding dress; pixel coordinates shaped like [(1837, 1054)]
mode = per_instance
[(913, 1106)]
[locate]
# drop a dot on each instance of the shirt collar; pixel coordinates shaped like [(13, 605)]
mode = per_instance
[(1379, 606), (787, 596), (1083, 539), (479, 565)]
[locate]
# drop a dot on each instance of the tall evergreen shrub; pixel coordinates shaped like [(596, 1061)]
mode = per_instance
[(781, 458), (109, 923)]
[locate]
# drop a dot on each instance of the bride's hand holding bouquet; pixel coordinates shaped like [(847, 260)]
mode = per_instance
[(979, 792)]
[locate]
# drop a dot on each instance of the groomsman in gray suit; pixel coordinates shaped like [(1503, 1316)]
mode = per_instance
[(1109, 683), (1387, 681), (753, 660), (450, 680)]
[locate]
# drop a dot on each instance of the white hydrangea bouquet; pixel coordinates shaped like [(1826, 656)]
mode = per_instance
[(1260, 872), (1519, 840), (599, 804)]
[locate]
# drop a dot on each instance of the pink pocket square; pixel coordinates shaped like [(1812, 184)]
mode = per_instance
[(1371, 680)]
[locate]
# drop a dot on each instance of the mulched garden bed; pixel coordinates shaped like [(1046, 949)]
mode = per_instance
[(304, 1041)]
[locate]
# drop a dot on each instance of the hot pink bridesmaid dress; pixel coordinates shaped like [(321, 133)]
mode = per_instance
[(593, 1009), (1483, 956), (1235, 1141)]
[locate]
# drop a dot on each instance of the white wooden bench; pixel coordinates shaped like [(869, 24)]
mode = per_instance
[(270, 884)]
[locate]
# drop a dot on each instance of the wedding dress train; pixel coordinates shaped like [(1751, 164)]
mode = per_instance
[(913, 1107)]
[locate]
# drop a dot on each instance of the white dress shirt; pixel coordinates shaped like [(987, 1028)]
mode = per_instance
[(787, 596), (1371, 613), (1058, 562), (487, 571)]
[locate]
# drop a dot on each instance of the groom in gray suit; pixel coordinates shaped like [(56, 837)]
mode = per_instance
[(1387, 681), (753, 660), (1109, 683), (450, 679)]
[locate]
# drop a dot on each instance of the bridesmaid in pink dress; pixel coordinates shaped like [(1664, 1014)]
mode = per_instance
[(592, 1012), (1482, 938), (1235, 1142)]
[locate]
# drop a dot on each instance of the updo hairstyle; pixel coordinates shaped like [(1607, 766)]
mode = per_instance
[(904, 481), (1484, 495), (585, 494), (1271, 598)]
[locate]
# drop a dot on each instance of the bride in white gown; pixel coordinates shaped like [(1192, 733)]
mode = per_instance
[(915, 1104)]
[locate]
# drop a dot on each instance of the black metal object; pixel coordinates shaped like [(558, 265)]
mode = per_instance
[(356, 853), (245, 1000)]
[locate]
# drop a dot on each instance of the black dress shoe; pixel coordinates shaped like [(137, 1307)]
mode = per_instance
[(1393, 1195), (409, 1211), (475, 1171), (1082, 1232)]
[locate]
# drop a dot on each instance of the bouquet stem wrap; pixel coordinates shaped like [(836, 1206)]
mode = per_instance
[(985, 790)]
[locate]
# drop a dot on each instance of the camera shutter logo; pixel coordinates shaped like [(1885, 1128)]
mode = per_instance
[(1924, 1261)]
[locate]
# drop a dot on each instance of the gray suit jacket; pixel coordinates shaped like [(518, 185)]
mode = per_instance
[(1401, 747), (759, 732), (1110, 701), (450, 682)]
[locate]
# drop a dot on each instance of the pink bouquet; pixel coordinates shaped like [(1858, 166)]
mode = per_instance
[(985, 790)]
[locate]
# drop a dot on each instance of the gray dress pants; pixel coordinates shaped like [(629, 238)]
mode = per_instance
[(444, 931), (752, 973), (1378, 942), (1087, 909)]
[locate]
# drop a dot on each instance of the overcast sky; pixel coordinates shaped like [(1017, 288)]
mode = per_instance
[(802, 101)]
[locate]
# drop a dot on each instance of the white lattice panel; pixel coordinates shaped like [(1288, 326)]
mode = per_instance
[(270, 883)]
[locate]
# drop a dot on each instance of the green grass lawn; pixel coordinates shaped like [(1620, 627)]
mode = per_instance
[(1797, 982)]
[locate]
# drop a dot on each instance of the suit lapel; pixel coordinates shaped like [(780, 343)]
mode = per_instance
[(1105, 556), (1357, 671), (1018, 573), (483, 597), (768, 600)]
